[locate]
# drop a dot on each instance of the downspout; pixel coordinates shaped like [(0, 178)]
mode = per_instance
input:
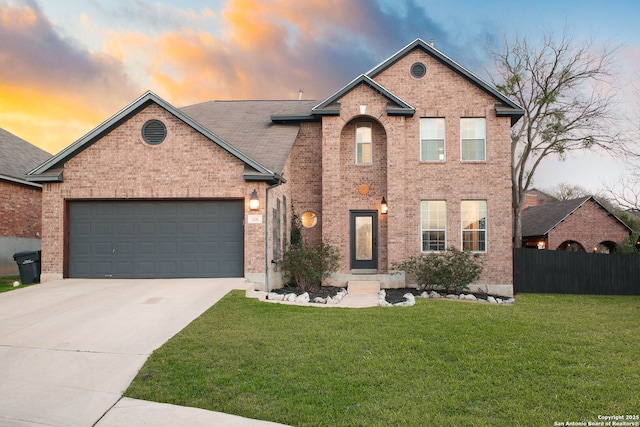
[(267, 266)]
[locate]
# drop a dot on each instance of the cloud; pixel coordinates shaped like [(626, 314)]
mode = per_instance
[(248, 49), (47, 78), (272, 48)]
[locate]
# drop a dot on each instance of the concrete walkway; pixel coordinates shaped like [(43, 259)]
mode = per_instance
[(70, 348)]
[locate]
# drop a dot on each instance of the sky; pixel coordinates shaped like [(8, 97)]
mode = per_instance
[(68, 65)]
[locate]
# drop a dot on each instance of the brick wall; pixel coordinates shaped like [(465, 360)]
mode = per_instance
[(589, 225), (399, 175), (20, 210), (122, 166)]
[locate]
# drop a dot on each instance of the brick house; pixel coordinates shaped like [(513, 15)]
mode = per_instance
[(20, 200), (411, 157), (578, 225)]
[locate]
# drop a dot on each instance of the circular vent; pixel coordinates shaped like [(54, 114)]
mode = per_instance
[(418, 70), (154, 132)]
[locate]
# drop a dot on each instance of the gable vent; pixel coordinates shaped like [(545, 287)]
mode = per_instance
[(154, 132), (418, 70)]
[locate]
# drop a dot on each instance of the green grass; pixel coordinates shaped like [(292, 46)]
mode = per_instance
[(6, 283), (547, 358)]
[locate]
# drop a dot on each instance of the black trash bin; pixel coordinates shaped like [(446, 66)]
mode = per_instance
[(29, 265)]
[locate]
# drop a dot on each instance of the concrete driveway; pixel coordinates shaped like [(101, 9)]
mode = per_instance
[(70, 348)]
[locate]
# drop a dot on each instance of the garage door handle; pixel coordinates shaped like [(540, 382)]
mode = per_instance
[(113, 251)]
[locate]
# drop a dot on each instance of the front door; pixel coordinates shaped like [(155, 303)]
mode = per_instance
[(364, 240)]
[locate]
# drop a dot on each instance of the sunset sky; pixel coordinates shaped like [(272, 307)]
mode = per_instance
[(67, 65)]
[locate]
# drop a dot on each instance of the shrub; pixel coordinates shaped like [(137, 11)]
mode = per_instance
[(306, 266), (629, 245), (452, 271)]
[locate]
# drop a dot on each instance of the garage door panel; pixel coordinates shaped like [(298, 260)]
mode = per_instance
[(131, 239)]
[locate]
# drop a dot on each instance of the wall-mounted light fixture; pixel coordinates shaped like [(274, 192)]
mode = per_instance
[(383, 206), (254, 202)]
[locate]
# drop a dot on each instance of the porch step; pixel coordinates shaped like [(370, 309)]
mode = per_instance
[(361, 287)]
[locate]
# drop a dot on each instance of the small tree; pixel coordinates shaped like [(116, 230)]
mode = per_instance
[(306, 266), (452, 271)]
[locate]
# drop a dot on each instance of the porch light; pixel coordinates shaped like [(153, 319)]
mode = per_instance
[(383, 206), (254, 202)]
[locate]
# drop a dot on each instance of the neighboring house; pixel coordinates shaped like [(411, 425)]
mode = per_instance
[(581, 225), (20, 200), (412, 157), (535, 197)]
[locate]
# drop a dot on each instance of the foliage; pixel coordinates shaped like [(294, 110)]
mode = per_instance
[(296, 228), (544, 359), (306, 266), (452, 271), (6, 283), (565, 91), (629, 245)]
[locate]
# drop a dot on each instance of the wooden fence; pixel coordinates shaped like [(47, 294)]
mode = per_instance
[(559, 272)]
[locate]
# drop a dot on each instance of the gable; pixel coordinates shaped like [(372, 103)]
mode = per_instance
[(503, 105), (52, 170), (395, 105), (542, 219)]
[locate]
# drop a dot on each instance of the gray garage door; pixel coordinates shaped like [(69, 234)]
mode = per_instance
[(156, 239)]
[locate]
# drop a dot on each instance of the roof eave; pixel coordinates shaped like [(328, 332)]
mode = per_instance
[(15, 180), (140, 103)]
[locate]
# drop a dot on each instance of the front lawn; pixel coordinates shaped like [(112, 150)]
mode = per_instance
[(6, 283), (545, 359)]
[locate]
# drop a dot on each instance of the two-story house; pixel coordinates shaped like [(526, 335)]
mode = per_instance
[(411, 157)]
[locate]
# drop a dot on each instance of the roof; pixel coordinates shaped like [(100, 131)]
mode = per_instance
[(18, 157), (248, 126), (51, 170), (506, 107), (540, 220), (396, 106)]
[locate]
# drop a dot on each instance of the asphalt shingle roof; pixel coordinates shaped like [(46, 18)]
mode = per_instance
[(539, 220), (17, 156), (247, 126)]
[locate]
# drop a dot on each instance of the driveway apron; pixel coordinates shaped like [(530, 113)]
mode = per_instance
[(70, 348)]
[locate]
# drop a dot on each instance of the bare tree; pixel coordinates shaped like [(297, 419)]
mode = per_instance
[(564, 191), (563, 88)]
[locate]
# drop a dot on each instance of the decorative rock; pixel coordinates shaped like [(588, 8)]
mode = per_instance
[(424, 295), (410, 301), (332, 300), (434, 294), (452, 296), (500, 301), (304, 298), (471, 297), (492, 300), (291, 297), (319, 300), (273, 296), (510, 301), (16, 283)]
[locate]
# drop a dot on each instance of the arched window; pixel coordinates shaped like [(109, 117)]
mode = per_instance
[(571, 246), (606, 247)]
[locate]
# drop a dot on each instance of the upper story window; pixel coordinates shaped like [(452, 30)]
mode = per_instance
[(433, 225), (364, 144), (432, 140), (473, 139), (474, 225)]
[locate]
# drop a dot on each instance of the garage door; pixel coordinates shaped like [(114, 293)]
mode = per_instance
[(156, 239)]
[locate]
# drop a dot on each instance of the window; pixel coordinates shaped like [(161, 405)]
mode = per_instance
[(363, 144), (473, 139), (434, 225), (432, 147), (474, 225)]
